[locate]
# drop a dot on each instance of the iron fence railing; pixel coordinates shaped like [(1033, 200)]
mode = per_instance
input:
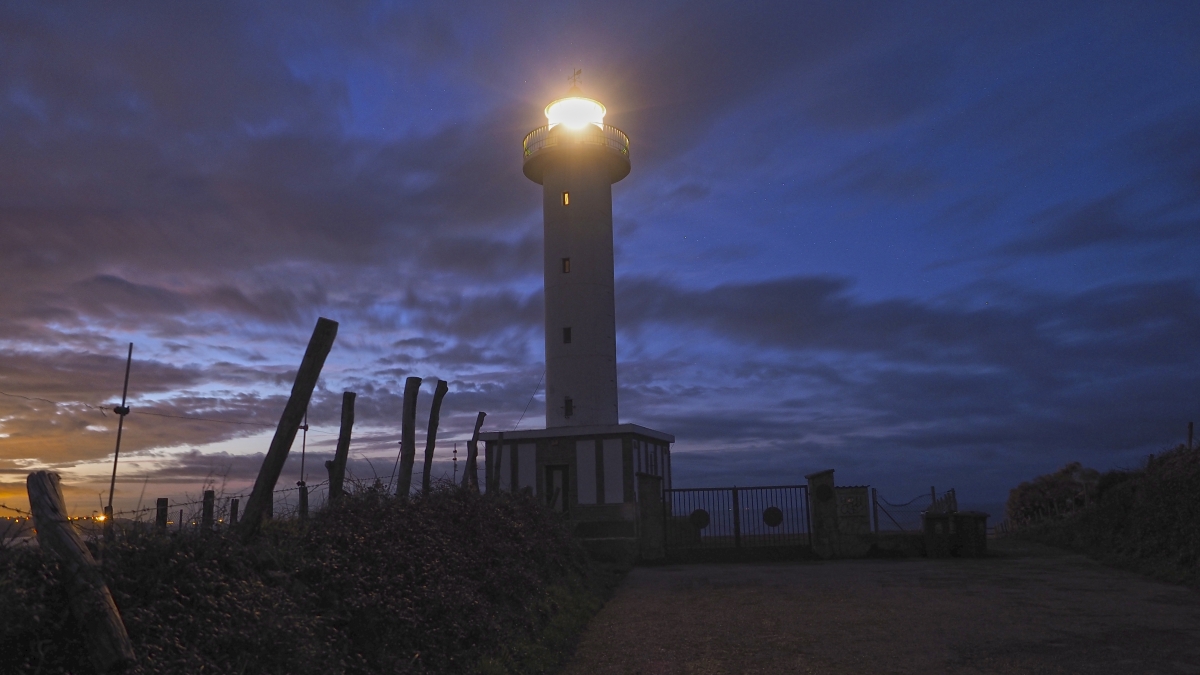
[(736, 517), (608, 136)]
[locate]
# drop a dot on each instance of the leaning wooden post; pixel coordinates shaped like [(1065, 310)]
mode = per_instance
[(91, 603), (233, 512), (471, 472), (337, 467), (206, 516), (160, 515), (289, 422), (408, 436), (439, 392)]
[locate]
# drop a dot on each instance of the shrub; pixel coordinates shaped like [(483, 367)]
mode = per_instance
[(450, 582), (1146, 519)]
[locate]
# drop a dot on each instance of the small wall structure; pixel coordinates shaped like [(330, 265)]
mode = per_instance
[(958, 534), (853, 509)]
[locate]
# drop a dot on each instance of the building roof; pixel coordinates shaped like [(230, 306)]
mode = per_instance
[(568, 432)]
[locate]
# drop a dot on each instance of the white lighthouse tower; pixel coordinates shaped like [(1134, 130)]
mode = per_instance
[(576, 158), (585, 463)]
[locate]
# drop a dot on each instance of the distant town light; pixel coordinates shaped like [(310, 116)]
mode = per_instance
[(575, 112)]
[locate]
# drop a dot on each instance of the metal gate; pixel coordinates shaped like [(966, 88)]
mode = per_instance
[(697, 518)]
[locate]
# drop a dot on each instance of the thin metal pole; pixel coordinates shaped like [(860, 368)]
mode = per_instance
[(737, 520), (121, 412), (303, 445), (875, 508)]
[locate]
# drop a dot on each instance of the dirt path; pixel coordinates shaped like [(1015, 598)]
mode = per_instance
[(1031, 610)]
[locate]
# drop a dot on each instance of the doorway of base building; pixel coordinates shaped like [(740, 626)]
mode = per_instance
[(556, 488)]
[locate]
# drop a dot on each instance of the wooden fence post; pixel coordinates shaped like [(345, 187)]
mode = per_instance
[(408, 436), (471, 472), (181, 520), (233, 511), (289, 422), (337, 467), (206, 516), (92, 604), (439, 392), (160, 516)]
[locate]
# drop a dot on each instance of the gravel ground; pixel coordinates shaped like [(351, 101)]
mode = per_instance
[(1026, 609)]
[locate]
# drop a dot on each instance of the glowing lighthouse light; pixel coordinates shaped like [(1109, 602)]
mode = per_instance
[(575, 112)]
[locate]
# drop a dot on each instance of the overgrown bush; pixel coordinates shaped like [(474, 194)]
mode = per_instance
[(1053, 495), (1146, 519), (452, 582)]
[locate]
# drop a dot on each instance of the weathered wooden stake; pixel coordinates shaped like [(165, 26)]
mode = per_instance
[(160, 515), (471, 472), (337, 467), (206, 516), (439, 392), (289, 422), (181, 520), (109, 648), (408, 436), (233, 512)]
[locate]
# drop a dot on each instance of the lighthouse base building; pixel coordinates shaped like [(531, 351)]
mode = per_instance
[(600, 477), (607, 477)]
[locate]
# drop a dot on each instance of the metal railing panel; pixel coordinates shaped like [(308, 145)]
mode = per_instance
[(698, 518)]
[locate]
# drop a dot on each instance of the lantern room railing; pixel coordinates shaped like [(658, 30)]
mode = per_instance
[(608, 136)]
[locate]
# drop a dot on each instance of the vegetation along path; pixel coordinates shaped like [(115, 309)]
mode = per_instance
[(1026, 609)]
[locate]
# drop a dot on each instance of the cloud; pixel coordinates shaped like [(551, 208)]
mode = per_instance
[(1103, 222)]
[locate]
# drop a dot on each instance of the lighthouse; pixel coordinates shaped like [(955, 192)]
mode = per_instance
[(606, 476), (576, 158)]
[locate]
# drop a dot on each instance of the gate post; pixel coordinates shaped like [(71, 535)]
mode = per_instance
[(737, 520), (822, 509), (651, 513)]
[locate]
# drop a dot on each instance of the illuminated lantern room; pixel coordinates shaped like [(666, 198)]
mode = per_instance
[(575, 112)]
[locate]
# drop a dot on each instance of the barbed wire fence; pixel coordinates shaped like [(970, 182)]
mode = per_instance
[(906, 516)]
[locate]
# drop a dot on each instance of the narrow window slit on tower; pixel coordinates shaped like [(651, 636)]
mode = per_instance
[(566, 265), (566, 199), (568, 407), (567, 335)]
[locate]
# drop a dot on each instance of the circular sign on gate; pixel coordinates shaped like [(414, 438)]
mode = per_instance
[(699, 519), (772, 516)]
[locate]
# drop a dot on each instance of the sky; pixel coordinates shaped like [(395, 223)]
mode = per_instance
[(949, 244)]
